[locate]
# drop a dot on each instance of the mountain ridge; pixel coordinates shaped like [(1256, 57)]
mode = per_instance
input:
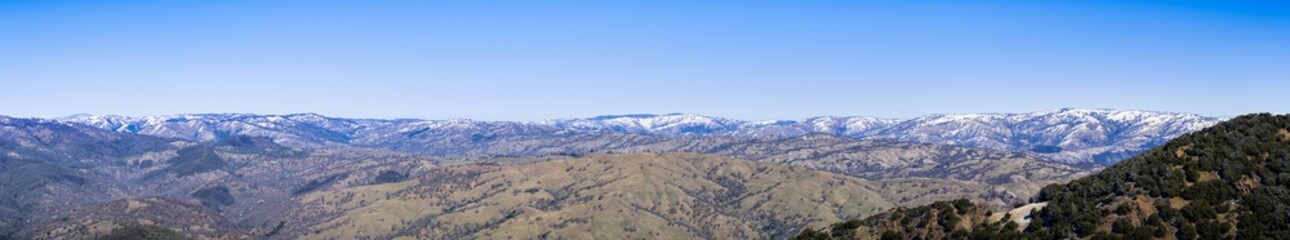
[(1070, 135)]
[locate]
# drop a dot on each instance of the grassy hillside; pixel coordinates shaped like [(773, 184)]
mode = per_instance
[(598, 196), (999, 177), (1227, 181), (145, 217)]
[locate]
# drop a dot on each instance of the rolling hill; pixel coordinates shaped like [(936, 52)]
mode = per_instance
[(598, 196)]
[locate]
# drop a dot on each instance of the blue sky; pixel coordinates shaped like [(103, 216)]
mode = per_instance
[(530, 60)]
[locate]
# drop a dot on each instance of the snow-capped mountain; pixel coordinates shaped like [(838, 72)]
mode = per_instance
[(650, 124), (299, 129), (1071, 135), (699, 125), (1067, 135)]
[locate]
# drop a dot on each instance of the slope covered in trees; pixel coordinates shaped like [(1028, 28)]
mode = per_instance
[(1227, 181)]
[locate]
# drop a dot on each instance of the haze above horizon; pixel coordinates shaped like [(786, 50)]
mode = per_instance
[(745, 60)]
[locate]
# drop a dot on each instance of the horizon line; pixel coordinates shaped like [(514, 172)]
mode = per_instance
[(636, 115)]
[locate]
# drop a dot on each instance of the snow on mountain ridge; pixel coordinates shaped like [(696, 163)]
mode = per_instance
[(1082, 135)]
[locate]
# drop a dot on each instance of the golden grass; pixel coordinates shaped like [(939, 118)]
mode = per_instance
[(1207, 176), (368, 213), (656, 196), (1178, 203), (1017, 215), (1182, 151)]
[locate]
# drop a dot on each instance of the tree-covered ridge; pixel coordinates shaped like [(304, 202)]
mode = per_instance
[(143, 232), (1227, 181), (957, 219)]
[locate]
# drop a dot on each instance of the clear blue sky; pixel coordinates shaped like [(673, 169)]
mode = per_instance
[(744, 59)]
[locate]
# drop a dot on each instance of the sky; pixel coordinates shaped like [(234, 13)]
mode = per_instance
[(533, 60)]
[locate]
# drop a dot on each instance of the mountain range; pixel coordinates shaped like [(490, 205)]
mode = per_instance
[(241, 176), (1076, 136), (65, 180)]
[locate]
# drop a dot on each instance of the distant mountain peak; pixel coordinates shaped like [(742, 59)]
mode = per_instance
[(639, 115), (74, 116)]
